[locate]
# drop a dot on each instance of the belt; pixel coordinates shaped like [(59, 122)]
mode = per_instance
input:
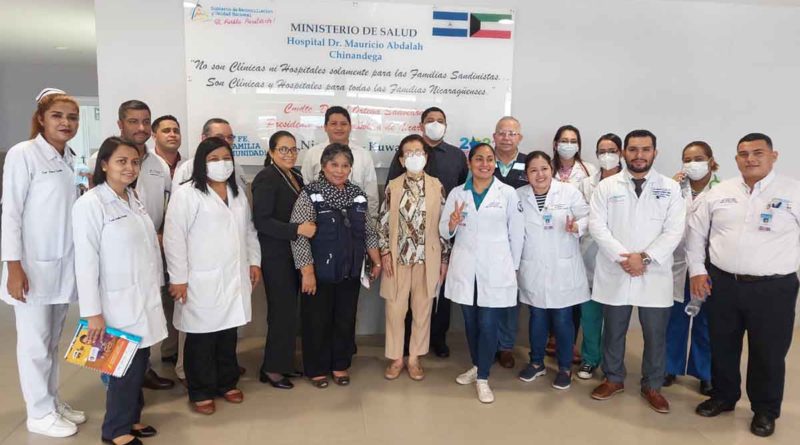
[(750, 278)]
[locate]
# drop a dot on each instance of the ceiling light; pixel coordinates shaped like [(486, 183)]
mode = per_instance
[(62, 48)]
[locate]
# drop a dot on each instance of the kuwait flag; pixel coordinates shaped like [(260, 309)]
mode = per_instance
[(490, 26)]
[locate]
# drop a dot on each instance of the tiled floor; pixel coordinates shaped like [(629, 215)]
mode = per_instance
[(435, 411)]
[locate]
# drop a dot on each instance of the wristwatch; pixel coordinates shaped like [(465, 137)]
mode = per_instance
[(646, 260)]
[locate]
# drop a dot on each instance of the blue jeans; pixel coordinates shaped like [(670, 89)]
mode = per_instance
[(678, 336), (481, 328), (563, 328), (507, 328)]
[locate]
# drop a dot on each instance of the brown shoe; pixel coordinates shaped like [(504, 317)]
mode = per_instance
[(506, 359), (393, 370), (656, 400), (607, 390), (234, 396), (416, 372), (204, 408)]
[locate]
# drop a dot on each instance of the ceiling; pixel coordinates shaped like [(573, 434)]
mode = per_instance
[(63, 31)]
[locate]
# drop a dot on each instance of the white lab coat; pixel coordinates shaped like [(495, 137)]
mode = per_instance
[(680, 266), (211, 246), (362, 173), (38, 192), (184, 173), (620, 222), (487, 248), (577, 174), (118, 263), (551, 273)]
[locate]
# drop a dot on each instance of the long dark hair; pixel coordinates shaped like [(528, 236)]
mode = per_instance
[(200, 171), (273, 144), (557, 159), (107, 149)]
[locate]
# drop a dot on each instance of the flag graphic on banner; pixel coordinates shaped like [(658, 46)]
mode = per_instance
[(475, 25)]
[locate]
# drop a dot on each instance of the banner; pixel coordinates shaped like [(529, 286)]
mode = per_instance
[(269, 66)]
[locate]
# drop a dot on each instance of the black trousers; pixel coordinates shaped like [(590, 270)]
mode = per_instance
[(124, 398), (209, 360), (765, 310), (440, 322), (282, 284), (329, 327)]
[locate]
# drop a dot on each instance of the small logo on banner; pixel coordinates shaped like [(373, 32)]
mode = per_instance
[(474, 25), (232, 15)]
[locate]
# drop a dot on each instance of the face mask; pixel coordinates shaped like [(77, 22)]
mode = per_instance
[(696, 170), (608, 161), (567, 150), (415, 164), (219, 171), (435, 130)]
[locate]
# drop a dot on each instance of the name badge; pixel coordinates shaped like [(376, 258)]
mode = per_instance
[(766, 222), (547, 217), (518, 166)]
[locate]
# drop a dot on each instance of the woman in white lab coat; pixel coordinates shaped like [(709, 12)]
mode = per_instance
[(607, 150), (121, 291), (697, 175), (38, 259), (213, 259), (485, 216), (552, 279)]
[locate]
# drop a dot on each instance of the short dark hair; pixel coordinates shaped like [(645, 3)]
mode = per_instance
[(474, 150), (609, 137), (406, 140), (557, 158), (752, 137), (200, 170), (333, 150), (273, 144), (212, 121), (702, 144), (131, 105), (537, 154), (107, 149), (430, 110), (337, 110), (166, 117), (640, 134)]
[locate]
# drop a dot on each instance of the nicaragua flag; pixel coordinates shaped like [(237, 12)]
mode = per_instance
[(451, 24)]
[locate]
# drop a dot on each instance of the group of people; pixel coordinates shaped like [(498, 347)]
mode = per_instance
[(171, 249)]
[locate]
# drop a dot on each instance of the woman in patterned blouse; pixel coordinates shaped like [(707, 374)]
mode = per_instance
[(331, 264), (413, 255)]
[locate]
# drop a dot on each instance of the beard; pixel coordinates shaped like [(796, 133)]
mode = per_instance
[(634, 169)]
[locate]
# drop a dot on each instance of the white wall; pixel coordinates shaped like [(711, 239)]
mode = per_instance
[(21, 81), (684, 69)]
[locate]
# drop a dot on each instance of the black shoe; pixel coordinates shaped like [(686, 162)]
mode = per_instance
[(282, 383), (170, 359), (669, 379), (293, 374), (705, 388), (153, 381), (147, 431), (441, 350), (762, 425), (713, 408), (342, 381)]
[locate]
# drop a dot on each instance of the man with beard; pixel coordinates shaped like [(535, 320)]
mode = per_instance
[(637, 219)]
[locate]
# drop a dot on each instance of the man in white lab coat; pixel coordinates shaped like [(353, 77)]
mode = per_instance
[(338, 127), (637, 219), (152, 185)]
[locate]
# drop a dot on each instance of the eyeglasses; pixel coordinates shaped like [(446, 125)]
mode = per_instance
[(230, 138), (287, 151), (509, 134)]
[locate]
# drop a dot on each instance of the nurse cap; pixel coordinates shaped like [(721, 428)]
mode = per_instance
[(47, 92)]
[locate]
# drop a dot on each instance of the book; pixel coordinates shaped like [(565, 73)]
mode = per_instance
[(112, 354)]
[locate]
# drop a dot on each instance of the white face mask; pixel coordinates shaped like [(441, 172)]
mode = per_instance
[(415, 163), (696, 170), (219, 171), (567, 150), (435, 130), (608, 161)]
